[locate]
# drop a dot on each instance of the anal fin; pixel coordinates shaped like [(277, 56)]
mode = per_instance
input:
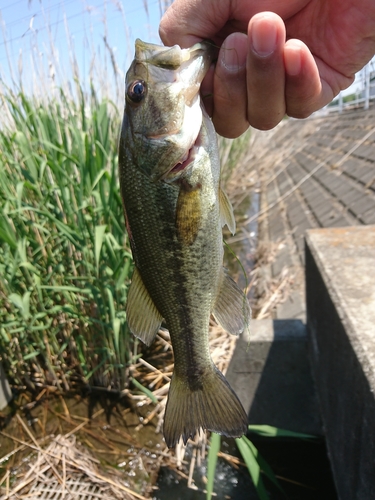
[(231, 310), (143, 318)]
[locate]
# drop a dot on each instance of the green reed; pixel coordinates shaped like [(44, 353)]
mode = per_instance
[(64, 255)]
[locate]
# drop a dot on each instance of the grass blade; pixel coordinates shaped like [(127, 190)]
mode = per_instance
[(270, 431), (144, 390), (211, 463), (252, 466), (99, 235), (265, 468)]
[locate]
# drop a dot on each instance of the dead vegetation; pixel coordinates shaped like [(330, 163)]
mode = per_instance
[(270, 291), (65, 470)]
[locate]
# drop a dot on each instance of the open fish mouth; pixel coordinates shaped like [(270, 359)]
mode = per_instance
[(185, 163), (167, 115)]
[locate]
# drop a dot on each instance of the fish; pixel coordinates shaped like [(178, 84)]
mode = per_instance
[(175, 208)]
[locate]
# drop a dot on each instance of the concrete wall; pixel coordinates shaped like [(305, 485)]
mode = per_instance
[(340, 295)]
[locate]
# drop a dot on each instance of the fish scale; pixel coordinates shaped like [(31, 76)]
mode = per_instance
[(174, 209)]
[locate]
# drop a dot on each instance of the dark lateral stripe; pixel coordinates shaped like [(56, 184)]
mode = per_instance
[(191, 366)]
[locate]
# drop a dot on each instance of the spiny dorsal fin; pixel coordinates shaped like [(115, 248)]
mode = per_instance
[(231, 310), (143, 318), (226, 211)]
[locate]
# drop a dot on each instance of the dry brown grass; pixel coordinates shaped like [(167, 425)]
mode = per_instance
[(66, 470), (269, 291), (60, 463)]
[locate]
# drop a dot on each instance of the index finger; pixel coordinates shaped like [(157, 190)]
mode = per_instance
[(185, 26)]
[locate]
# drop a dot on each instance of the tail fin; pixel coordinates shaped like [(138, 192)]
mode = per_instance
[(211, 405)]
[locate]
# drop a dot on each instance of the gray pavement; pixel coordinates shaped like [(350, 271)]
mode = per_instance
[(316, 173)]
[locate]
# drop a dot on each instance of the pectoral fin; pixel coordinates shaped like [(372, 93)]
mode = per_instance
[(143, 318), (226, 212), (232, 310)]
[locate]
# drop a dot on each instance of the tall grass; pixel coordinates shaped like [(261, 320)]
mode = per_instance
[(64, 255), (65, 262)]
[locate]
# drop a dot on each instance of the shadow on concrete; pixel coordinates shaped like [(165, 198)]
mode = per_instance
[(270, 373)]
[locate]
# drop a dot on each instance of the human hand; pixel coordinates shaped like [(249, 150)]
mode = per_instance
[(293, 60)]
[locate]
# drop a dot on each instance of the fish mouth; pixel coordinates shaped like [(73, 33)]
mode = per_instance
[(185, 163), (161, 136)]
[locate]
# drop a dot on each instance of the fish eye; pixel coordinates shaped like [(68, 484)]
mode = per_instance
[(137, 91)]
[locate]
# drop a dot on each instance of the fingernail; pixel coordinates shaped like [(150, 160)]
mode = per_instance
[(234, 52), (263, 36), (293, 62)]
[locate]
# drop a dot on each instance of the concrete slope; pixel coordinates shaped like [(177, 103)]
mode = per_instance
[(316, 173)]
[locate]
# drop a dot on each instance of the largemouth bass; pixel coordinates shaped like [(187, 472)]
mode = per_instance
[(175, 209)]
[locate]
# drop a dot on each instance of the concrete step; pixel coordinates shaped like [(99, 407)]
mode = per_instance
[(340, 299), (270, 373)]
